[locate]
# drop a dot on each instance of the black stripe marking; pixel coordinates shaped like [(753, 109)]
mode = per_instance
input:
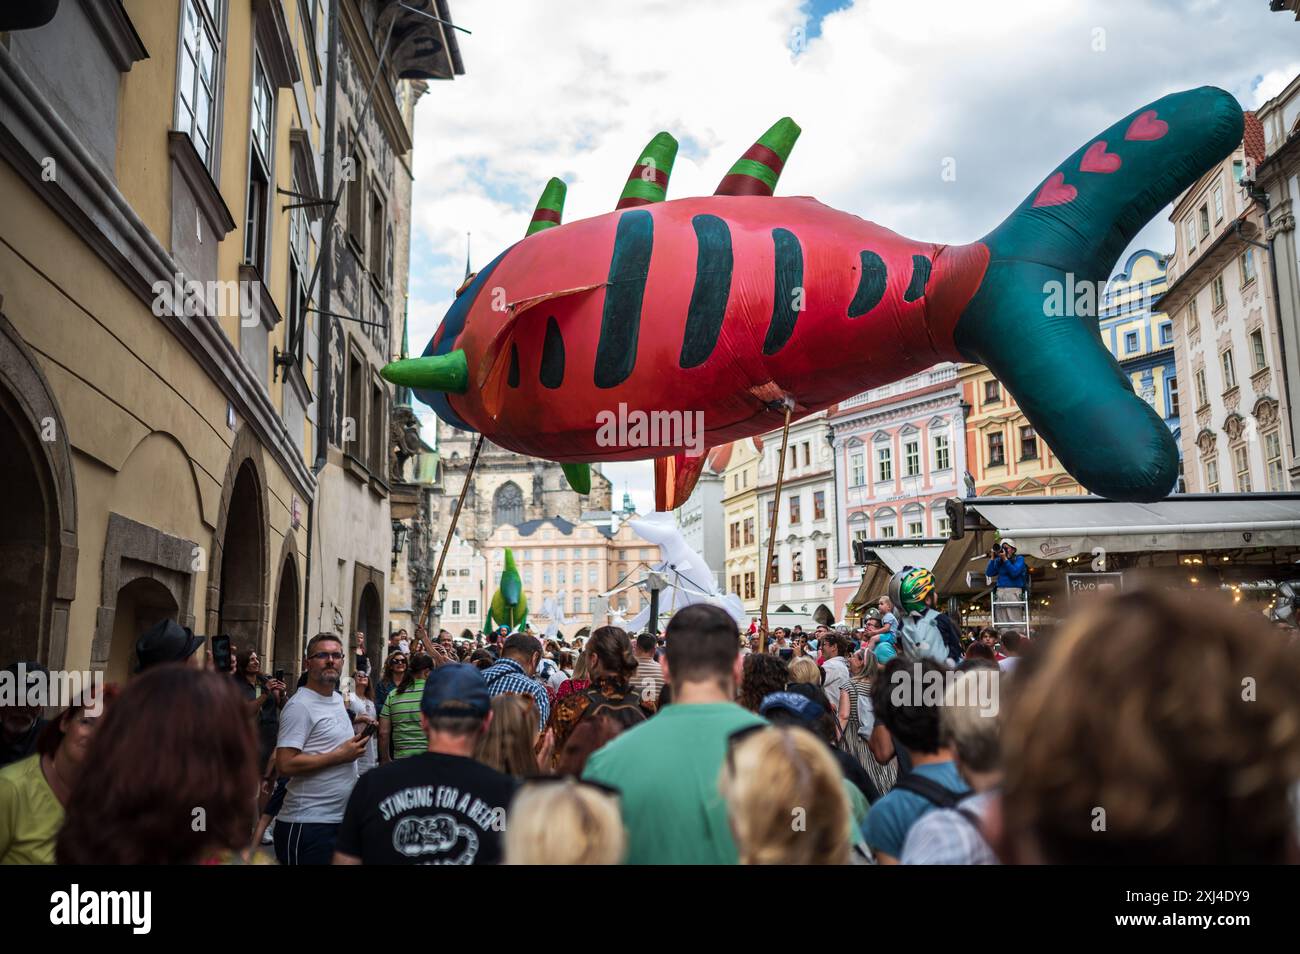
[(713, 264), (620, 320), (788, 271), (512, 377), (871, 285), (920, 275), (552, 372)]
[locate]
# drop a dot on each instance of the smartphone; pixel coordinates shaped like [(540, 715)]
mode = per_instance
[(785, 653), (221, 653), (279, 675), (370, 729)]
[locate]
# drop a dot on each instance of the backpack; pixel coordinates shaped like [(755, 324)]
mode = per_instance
[(951, 638), (939, 797), (922, 638), (930, 790)]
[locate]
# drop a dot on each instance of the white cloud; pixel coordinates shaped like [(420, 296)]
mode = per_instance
[(884, 95)]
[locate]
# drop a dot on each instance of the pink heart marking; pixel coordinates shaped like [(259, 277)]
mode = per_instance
[(1146, 127), (1097, 159), (1055, 191)]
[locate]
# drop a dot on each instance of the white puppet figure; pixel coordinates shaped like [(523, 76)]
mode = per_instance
[(553, 614), (690, 580)]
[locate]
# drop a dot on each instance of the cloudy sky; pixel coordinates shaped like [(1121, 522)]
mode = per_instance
[(885, 90)]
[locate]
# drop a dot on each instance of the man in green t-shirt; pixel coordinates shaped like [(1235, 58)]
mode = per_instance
[(667, 767), (399, 722)]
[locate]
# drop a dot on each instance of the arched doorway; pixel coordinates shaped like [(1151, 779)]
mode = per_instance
[(140, 604), (38, 511), (243, 563), (27, 538), (284, 647), (369, 621)]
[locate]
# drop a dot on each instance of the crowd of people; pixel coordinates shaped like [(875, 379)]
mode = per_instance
[(1154, 727)]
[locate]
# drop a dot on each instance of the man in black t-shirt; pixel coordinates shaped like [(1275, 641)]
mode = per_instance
[(441, 807)]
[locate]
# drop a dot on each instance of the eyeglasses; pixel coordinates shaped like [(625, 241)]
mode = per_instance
[(332, 656), (397, 662)]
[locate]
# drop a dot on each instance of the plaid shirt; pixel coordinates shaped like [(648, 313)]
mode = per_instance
[(508, 676), (947, 837)]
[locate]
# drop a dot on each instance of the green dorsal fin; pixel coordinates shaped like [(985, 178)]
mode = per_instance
[(648, 180), (550, 207), (757, 171)]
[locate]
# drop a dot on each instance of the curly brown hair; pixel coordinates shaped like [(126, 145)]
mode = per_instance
[(1175, 715), (763, 674), (178, 739)]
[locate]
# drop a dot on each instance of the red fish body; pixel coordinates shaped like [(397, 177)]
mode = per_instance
[(803, 283), (734, 307)]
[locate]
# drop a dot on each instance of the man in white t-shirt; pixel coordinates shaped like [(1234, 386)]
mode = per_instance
[(317, 749), (834, 669)]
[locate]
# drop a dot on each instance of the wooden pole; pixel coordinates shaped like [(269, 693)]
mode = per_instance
[(446, 544), (771, 531)]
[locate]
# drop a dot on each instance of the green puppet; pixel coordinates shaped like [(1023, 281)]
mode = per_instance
[(509, 606)]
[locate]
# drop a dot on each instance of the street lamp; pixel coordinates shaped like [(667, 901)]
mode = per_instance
[(442, 599), (399, 539)]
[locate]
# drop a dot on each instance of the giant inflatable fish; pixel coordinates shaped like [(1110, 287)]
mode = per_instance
[(741, 304)]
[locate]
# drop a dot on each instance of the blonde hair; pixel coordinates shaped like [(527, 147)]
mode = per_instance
[(564, 823), (804, 669), (507, 745), (785, 797)]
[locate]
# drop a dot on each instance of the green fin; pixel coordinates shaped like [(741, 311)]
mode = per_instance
[(578, 476), (436, 372)]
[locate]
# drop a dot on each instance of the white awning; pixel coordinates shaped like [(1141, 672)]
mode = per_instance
[(1049, 528), (900, 556)]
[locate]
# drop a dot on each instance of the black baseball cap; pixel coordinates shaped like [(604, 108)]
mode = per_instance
[(455, 689)]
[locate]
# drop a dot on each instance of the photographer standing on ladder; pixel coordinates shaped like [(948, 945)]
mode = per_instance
[(1009, 577)]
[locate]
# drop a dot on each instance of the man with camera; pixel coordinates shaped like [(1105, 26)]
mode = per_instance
[(1009, 576)]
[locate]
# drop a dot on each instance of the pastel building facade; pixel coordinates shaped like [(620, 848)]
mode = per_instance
[(1141, 338), (740, 513), (899, 454), (803, 559), (1235, 415)]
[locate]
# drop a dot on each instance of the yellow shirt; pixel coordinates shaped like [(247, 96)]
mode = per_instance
[(30, 815)]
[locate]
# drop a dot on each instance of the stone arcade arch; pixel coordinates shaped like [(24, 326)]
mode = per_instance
[(237, 603), (38, 511)]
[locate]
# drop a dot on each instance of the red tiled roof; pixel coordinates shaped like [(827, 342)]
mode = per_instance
[(1253, 139), (719, 457)]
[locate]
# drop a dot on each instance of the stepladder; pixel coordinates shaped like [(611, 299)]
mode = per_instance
[(1009, 609)]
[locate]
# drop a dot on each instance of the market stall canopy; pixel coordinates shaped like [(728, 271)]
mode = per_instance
[(1051, 528), (884, 562)]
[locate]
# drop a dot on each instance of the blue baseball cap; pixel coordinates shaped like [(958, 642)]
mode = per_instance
[(455, 689), (795, 703)]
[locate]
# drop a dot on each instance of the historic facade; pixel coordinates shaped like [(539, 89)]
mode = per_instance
[(801, 565), (1277, 182), (899, 454), (1235, 415), (156, 464), (385, 54), (740, 513), (1142, 339), (507, 488)]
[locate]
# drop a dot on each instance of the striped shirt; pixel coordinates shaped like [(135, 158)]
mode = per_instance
[(402, 709), (649, 676)]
